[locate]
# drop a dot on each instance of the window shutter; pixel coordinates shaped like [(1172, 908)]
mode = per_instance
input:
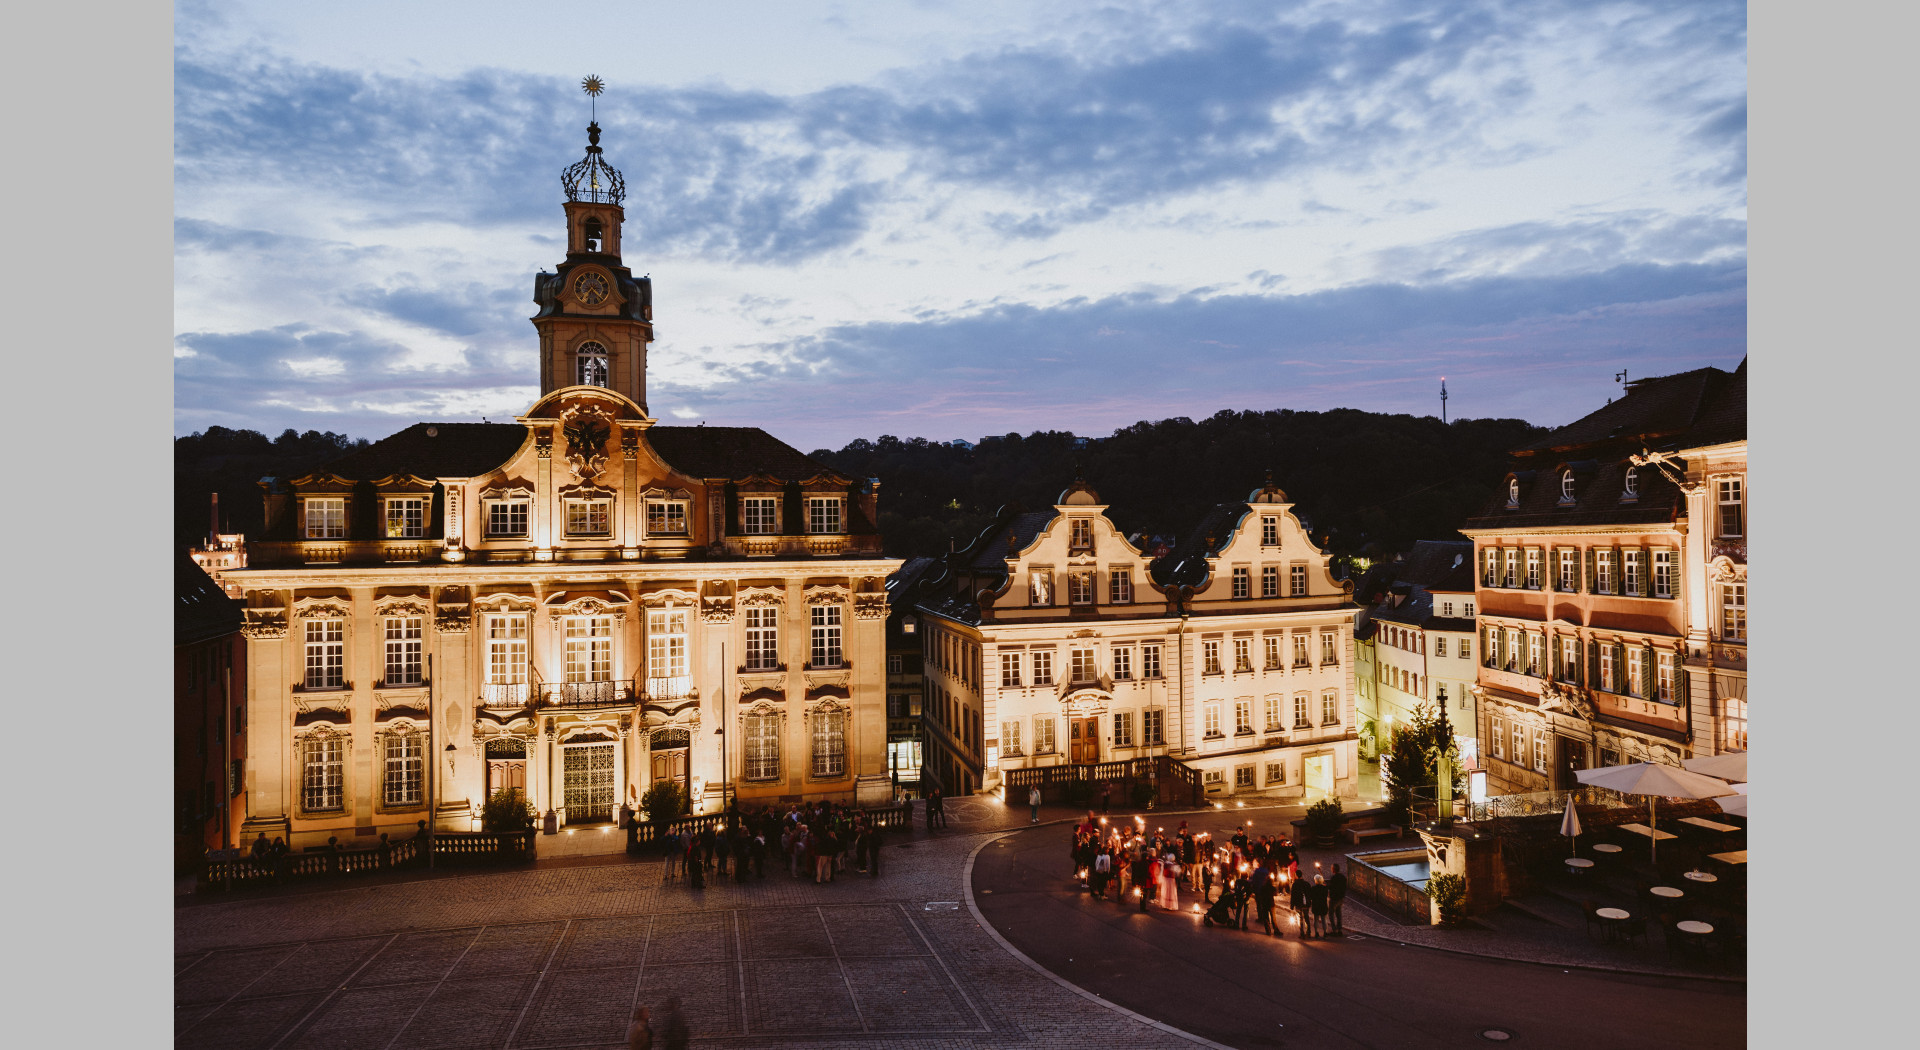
[(1593, 664), (1593, 572), (1679, 575), (1553, 655), (1551, 569), (1486, 655), (1646, 572), (1680, 694), (1649, 673), (1621, 685), (1619, 572)]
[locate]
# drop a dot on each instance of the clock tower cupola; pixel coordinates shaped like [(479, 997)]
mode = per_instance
[(595, 317)]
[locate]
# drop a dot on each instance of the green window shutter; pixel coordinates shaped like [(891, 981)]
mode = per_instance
[(1619, 571), (1646, 572), (1593, 664), (1681, 695), (1679, 576), (1620, 667), (1553, 655), (1649, 673), (1593, 571)]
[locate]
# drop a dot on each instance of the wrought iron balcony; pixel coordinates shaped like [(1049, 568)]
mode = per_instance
[(671, 687), (585, 694), (506, 694)]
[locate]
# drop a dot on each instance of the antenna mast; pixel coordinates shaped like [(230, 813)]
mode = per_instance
[(1443, 399)]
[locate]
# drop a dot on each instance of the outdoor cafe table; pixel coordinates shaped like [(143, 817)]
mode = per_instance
[(1643, 830), (1694, 930), (1665, 891), (1699, 876), (1605, 847), (1579, 864), (1613, 917), (1738, 856), (1710, 825)]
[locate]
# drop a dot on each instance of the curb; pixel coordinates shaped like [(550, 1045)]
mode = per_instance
[(966, 885)]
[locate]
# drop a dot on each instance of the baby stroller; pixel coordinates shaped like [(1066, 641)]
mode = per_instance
[(1221, 913)]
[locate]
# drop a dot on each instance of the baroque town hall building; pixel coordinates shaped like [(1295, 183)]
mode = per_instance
[(577, 603)]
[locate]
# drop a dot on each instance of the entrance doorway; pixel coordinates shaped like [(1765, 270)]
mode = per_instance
[(1083, 735), (1569, 756), (1318, 771), (506, 767), (669, 749), (588, 770)]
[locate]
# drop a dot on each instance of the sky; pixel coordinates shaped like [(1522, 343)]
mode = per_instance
[(947, 220)]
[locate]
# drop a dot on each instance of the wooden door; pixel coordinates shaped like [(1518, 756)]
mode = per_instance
[(671, 765), (1084, 735), (506, 774)]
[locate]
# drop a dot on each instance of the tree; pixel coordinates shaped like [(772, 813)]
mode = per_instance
[(1412, 760)]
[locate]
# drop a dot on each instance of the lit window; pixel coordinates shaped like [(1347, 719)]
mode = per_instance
[(1733, 612), (1040, 587), (402, 650), (763, 746), (1242, 583), (1634, 672), (666, 648), (589, 649), (1299, 581), (826, 635), (1736, 724), (1150, 660), (401, 784), (590, 365), (760, 515), (763, 640), (1212, 655), (588, 517), (1080, 588), (1732, 503), (1080, 662), (1439, 647), (506, 660), (1010, 738), (1300, 720), (829, 743), (1043, 667), (507, 517), (666, 517), (1607, 676), (1269, 531), (1270, 581), (322, 773), (1123, 662), (1120, 586), (825, 515), (1566, 487), (326, 653), (1080, 534), (1273, 652), (1242, 717), (406, 519), (1043, 736), (1242, 654), (1153, 726), (1535, 643), (326, 519), (1009, 669), (1123, 729)]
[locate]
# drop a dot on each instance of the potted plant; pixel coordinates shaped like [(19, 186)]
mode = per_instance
[(1323, 821), (507, 813), (662, 802), (1447, 894)]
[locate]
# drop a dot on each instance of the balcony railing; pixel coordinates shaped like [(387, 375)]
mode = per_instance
[(585, 694), (506, 694), (670, 687)]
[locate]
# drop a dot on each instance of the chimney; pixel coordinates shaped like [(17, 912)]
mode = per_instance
[(213, 534)]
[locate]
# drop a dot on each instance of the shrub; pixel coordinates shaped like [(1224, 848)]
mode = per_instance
[(1078, 790), (1323, 818), (663, 801), (506, 810), (1142, 793), (1449, 891)]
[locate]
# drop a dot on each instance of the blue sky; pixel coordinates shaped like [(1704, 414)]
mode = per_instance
[(949, 220)]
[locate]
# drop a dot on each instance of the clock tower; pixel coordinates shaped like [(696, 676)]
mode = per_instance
[(595, 318)]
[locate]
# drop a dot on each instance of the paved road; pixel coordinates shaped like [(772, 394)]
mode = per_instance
[(1250, 991)]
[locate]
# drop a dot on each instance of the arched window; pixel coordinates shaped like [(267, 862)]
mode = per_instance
[(1632, 483), (1513, 492), (1566, 487), (591, 365), (593, 234)]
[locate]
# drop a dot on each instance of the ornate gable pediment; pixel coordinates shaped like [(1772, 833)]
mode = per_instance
[(403, 483), (403, 604), (323, 607)]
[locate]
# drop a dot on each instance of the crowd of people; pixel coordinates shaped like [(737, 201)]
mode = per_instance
[(820, 840), (1126, 863)]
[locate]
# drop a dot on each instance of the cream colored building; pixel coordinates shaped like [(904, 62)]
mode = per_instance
[(1054, 640), (577, 603)]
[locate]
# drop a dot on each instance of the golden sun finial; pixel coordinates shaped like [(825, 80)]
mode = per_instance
[(593, 85)]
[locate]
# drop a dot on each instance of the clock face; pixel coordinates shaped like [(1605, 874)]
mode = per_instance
[(590, 289)]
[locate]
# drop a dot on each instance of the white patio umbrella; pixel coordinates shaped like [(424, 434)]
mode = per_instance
[(1734, 805), (1657, 782), (1570, 825), (1731, 766)]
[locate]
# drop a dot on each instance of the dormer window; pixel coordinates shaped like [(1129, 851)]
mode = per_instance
[(760, 515), (506, 518), (589, 517), (666, 517), (1630, 486), (826, 515), (1566, 487), (326, 518), (590, 365), (1513, 492), (406, 518)]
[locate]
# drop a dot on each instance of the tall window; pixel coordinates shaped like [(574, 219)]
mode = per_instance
[(326, 653), (1212, 657), (1569, 659), (763, 746), (1569, 570), (1732, 503), (1633, 672), (1123, 729), (1663, 677), (666, 517), (1298, 576), (1043, 667), (760, 515), (1630, 562), (1270, 581), (1153, 726), (406, 518), (1273, 714), (1269, 530), (1539, 751), (507, 658), (1329, 707), (1122, 662), (1272, 642), (1607, 675), (1533, 569), (402, 650), (506, 517), (1150, 660), (1043, 736), (1329, 648), (666, 646), (1440, 645), (1080, 588), (1510, 577), (1243, 654), (763, 639), (1663, 574), (1242, 717), (825, 515), (589, 648), (322, 773), (1039, 587), (1733, 612), (1213, 720), (826, 635), (829, 743), (1080, 662), (1498, 728), (1736, 724), (1120, 586), (590, 365), (1080, 533), (1009, 669), (1300, 720), (1489, 567), (1300, 649), (589, 517), (1242, 583), (1535, 643), (1010, 738), (1603, 571), (401, 784), (326, 519)]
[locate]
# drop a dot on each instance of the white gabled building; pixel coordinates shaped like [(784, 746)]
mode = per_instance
[(1052, 640)]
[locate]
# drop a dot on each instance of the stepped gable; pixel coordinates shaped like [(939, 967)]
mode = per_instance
[(453, 450)]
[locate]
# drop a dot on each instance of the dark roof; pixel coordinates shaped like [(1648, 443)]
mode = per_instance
[(953, 608), (1428, 561), (993, 548), (1724, 418), (201, 610), (1457, 581), (1652, 409), (1186, 564), (906, 579), (454, 450), (732, 452), (1596, 500)]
